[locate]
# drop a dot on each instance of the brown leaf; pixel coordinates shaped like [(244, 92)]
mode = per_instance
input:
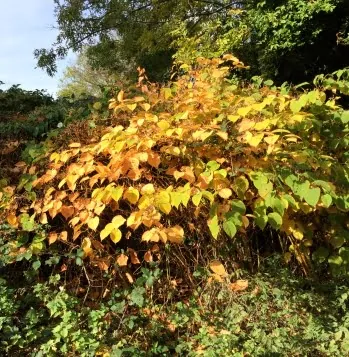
[(52, 238), (63, 236), (12, 220), (121, 260), (148, 257), (103, 264), (67, 211), (129, 278), (217, 267), (63, 268), (97, 244), (239, 285), (133, 256)]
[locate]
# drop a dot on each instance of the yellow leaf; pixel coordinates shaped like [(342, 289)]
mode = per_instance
[(115, 235), (225, 193), (63, 236), (148, 189), (255, 140), (145, 106), (222, 134), (167, 93), (131, 195), (173, 150), (93, 223), (121, 96), (86, 246), (118, 221), (151, 236), (43, 218), (129, 278), (262, 125), (55, 157), (163, 200), (163, 125), (244, 111), (217, 267), (132, 107), (233, 118), (74, 145), (175, 234), (116, 193), (271, 140), (106, 231), (197, 199)]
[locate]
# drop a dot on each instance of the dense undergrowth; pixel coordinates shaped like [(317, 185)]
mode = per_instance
[(278, 315), (136, 230)]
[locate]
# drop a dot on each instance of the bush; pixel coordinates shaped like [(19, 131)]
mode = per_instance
[(19, 101)]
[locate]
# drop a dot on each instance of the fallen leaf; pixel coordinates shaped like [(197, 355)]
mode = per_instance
[(133, 256), (122, 260), (129, 278), (148, 257), (239, 285), (217, 267)]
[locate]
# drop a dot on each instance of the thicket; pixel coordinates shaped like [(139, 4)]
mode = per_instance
[(172, 195)]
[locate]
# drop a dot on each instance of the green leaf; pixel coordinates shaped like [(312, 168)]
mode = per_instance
[(337, 241), (229, 228), (301, 189), (342, 203), (137, 296), (275, 220), (320, 255), (345, 117), (213, 225), (335, 260), (261, 221), (312, 196), (259, 179), (238, 206), (240, 186), (326, 200), (36, 265), (213, 165), (265, 190), (27, 222), (344, 253)]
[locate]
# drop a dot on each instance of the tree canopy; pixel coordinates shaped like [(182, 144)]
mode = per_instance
[(286, 40)]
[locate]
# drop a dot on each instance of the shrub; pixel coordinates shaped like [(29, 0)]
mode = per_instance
[(232, 160)]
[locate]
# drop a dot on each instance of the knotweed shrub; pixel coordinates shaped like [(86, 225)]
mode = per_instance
[(199, 162)]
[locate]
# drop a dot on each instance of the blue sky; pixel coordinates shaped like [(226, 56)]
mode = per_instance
[(24, 26)]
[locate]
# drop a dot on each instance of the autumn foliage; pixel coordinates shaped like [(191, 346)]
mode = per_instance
[(202, 159)]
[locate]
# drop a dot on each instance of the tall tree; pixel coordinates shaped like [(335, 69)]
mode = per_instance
[(82, 79), (137, 29), (283, 39)]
